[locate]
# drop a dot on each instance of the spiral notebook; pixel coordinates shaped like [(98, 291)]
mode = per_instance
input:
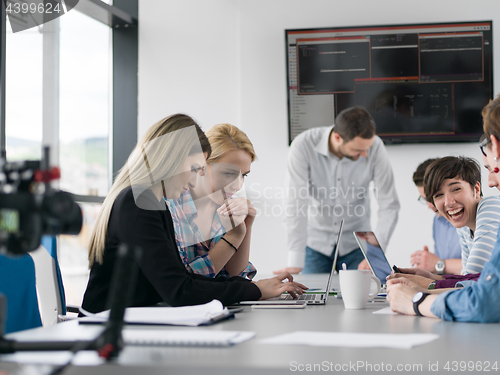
[(196, 337), (197, 315)]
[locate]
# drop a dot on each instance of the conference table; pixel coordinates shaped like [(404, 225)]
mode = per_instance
[(460, 347)]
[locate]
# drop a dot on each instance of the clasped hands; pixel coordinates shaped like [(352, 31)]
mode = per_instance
[(235, 212)]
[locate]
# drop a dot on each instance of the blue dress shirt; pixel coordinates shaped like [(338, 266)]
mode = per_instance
[(446, 240), (478, 302)]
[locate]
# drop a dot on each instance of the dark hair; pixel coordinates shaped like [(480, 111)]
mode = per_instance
[(491, 118), (461, 167), (354, 122), (418, 175)]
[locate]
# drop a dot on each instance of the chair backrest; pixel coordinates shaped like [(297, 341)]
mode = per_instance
[(17, 283), (49, 281)]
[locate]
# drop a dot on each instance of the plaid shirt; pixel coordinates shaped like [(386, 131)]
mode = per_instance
[(193, 249)]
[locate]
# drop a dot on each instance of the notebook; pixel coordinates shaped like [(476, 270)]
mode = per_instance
[(195, 337), (319, 298), (374, 255), (196, 315)]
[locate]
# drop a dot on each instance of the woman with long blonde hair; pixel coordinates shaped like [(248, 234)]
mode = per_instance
[(202, 216), (163, 165)]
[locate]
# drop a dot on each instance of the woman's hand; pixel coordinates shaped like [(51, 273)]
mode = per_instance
[(421, 281), (277, 285), (238, 209), (416, 271), (252, 212)]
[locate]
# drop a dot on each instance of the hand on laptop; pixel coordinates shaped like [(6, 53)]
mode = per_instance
[(277, 285), (292, 270)]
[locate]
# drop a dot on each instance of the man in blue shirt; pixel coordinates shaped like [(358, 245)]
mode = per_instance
[(447, 251)]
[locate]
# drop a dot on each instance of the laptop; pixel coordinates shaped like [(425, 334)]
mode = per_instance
[(374, 255), (318, 298)]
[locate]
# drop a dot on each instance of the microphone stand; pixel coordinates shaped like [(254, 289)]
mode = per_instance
[(109, 343)]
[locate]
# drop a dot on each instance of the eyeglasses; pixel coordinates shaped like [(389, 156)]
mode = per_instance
[(483, 144), (422, 200)]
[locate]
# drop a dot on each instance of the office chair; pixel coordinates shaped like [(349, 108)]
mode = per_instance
[(50, 287), (18, 285)]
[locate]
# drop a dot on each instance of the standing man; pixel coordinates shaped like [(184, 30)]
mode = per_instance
[(328, 176), (447, 257)]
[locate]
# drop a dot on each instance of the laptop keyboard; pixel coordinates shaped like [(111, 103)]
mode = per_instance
[(303, 297)]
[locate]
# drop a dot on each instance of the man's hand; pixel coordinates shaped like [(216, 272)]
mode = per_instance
[(292, 270), (424, 259), (400, 293), (364, 265)]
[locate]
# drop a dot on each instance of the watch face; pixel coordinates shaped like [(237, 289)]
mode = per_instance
[(417, 297)]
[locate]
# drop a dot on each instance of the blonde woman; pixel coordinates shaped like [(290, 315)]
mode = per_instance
[(164, 163), (202, 216)]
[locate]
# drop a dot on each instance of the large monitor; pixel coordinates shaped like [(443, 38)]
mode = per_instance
[(420, 82)]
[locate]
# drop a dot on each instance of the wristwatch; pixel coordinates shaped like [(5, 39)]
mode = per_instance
[(417, 300), (440, 267)]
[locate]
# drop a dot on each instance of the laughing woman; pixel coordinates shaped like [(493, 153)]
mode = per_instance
[(477, 301)]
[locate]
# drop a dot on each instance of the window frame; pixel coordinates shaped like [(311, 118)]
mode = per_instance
[(122, 18)]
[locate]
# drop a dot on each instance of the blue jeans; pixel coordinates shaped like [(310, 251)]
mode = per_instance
[(317, 262)]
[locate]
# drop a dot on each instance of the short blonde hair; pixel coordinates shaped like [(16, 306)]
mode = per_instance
[(226, 137)]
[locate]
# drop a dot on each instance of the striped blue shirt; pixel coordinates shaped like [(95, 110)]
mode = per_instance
[(476, 251)]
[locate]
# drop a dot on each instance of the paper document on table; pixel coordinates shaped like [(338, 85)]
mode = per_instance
[(386, 310), (196, 337), (352, 340), (182, 316)]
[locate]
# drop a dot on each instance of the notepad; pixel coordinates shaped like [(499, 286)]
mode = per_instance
[(189, 337), (207, 313)]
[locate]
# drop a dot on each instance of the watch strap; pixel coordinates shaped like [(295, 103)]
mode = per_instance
[(416, 304)]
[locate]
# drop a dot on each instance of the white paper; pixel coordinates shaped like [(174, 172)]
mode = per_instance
[(352, 340), (386, 310), (190, 337), (185, 315)]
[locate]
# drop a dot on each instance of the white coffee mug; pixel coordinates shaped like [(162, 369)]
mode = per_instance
[(355, 288)]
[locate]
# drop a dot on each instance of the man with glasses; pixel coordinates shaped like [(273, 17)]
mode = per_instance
[(447, 258)]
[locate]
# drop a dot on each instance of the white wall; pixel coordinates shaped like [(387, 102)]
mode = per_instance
[(224, 61)]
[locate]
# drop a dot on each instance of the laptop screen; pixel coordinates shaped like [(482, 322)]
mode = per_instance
[(374, 254)]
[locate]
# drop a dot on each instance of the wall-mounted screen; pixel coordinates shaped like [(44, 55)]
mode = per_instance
[(421, 82)]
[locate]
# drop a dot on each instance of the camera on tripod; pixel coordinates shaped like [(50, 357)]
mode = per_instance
[(31, 208)]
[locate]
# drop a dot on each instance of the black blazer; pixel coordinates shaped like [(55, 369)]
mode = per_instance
[(162, 275)]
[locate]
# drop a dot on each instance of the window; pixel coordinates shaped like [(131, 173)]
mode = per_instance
[(84, 105), (65, 83), (24, 94)]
